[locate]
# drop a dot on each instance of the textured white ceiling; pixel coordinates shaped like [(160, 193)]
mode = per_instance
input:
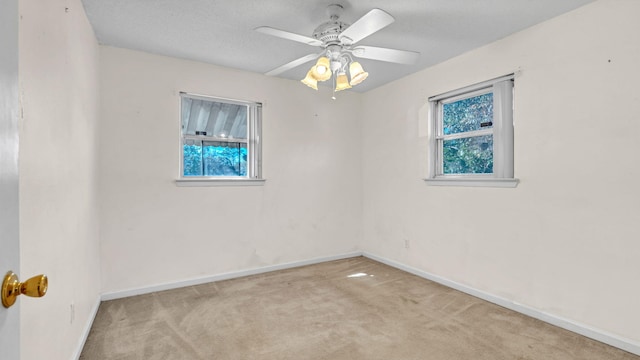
[(221, 31)]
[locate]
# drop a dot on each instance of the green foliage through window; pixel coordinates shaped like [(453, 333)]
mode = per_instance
[(213, 158), (469, 114), (471, 154)]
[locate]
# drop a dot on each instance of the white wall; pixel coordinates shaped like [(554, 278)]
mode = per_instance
[(565, 241), (58, 69), (154, 232)]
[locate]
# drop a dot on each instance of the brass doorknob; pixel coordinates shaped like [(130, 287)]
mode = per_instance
[(12, 287)]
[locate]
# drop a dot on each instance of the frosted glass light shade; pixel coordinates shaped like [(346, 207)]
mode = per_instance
[(310, 80), (357, 73), (322, 71), (342, 83)]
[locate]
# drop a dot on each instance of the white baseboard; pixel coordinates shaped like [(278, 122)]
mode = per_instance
[(576, 327), (220, 277), (87, 329)]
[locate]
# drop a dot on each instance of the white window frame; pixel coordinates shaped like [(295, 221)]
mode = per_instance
[(502, 131), (253, 141)]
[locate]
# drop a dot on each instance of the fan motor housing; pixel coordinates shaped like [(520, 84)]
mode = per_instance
[(328, 32)]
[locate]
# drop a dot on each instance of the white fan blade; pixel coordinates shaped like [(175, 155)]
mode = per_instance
[(288, 35), (385, 54), (371, 22), (293, 64)]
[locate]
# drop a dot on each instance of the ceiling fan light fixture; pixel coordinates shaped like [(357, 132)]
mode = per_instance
[(321, 71), (342, 83), (357, 73), (339, 42), (310, 80)]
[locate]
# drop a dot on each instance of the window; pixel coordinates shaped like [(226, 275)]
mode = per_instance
[(220, 138), (471, 135)]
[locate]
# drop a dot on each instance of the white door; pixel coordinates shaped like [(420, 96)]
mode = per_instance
[(9, 113)]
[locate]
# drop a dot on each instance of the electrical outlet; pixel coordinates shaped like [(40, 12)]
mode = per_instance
[(406, 244), (72, 312)]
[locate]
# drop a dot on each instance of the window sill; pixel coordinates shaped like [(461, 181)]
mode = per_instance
[(219, 182), (502, 183)]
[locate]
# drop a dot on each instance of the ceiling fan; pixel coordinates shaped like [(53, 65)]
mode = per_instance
[(338, 41)]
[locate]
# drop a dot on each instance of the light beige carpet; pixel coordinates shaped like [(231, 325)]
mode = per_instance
[(347, 309)]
